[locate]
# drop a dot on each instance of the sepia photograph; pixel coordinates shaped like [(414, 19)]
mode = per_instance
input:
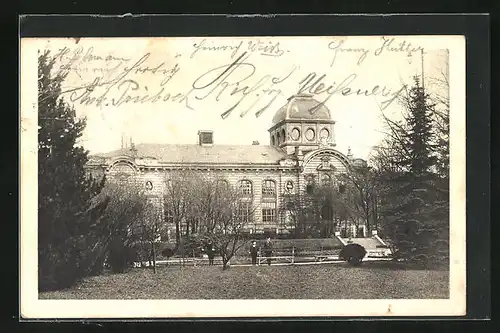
[(243, 176)]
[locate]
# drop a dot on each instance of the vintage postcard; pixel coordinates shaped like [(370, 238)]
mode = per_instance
[(242, 176)]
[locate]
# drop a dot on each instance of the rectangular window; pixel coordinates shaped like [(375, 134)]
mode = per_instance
[(268, 212), (268, 215), (169, 217), (244, 212)]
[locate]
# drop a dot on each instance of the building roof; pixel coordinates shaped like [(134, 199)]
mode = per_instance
[(302, 107), (192, 153)]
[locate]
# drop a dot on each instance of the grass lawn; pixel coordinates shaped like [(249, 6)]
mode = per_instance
[(329, 281)]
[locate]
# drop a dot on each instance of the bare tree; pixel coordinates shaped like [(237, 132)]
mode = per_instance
[(178, 199), (228, 212), (209, 202), (149, 230), (361, 193), (322, 209), (441, 117)]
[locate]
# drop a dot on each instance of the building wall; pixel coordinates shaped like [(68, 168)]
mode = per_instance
[(310, 164), (158, 178)]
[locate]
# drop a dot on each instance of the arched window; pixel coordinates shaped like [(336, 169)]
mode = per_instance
[(269, 188), (222, 184), (278, 138), (246, 187), (273, 141), (310, 184), (283, 136)]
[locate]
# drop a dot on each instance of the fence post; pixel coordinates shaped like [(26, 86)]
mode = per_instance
[(154, 258), (260, 255)]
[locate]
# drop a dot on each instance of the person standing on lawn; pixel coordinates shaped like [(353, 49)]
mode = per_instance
[(210, 253), (254, 252), (268, 250)]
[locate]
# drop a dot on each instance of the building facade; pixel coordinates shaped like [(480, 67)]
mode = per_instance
[(301, 153)]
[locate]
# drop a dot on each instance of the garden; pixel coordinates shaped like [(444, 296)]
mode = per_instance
[(370, 280)]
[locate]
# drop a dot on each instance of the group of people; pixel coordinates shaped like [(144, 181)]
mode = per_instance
[(254, 252), (268, 251)]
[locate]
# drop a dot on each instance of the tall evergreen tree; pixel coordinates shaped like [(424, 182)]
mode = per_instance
[(64, 190), (413, 214)]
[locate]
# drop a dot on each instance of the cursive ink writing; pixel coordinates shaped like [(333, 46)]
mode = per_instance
[(120, 81), (81, 60), (314, 85), (390, 45), (234, 80), (337, 46), (253, 46), (203, 46), (269, 48)]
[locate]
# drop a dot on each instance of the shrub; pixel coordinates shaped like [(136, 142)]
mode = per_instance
[(194, 244), (353, 253), (120, 256), (57, 269), (167, 253)]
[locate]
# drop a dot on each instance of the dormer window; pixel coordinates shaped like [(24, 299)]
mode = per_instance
[(206, 138)]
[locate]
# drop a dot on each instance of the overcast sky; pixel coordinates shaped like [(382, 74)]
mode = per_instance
[(186, 84)]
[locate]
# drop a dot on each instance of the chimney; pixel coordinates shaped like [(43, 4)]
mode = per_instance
[(205, 138)]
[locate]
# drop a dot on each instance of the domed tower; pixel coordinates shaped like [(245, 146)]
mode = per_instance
[(303, 123)]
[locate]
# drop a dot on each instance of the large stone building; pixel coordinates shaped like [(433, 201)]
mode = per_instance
[(301, 153)]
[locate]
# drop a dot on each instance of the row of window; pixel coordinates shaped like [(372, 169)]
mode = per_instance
[(244, 213), (325, 180), (268, 187), (295, 135)]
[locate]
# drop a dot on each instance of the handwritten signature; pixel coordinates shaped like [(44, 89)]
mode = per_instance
[(388, 45), (336, 47), (314, 85), (238, 84), (235, 77), (253, 46), (89, 93)]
